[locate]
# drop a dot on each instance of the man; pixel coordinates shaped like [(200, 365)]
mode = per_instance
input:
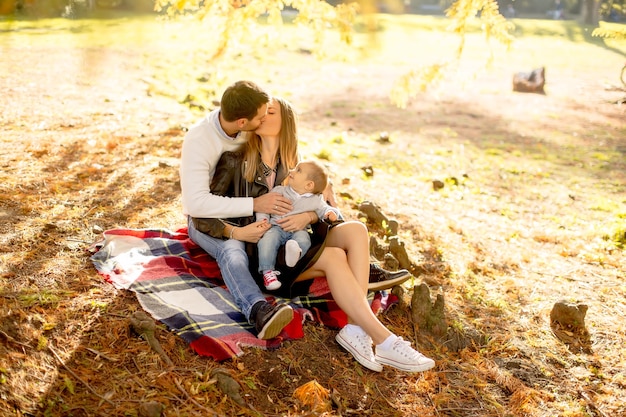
[(243, 107)]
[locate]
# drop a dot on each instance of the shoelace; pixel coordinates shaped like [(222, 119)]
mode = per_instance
[(271, 276), (376, 273), (405, 349), (364, 340), (366, 345)]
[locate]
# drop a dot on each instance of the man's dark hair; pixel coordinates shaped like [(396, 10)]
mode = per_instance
[(242, 101)]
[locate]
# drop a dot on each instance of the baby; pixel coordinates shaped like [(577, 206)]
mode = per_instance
[(305, 185)]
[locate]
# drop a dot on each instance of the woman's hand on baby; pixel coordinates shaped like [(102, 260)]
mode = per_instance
[(272, 203), (295, 222), (253, 232)]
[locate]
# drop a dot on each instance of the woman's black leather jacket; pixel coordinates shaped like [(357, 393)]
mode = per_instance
[(229, 181)]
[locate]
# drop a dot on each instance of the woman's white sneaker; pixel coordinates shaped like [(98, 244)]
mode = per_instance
[(360, 346), (402, 356)]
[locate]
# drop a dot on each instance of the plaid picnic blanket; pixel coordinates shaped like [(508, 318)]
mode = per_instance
[(180, 285)]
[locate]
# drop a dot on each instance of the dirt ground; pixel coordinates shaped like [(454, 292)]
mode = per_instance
[(87, 145)]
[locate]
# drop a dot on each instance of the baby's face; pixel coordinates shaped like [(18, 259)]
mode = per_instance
[(298, 178)]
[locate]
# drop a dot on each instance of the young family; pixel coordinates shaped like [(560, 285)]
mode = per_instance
[(242, 161)]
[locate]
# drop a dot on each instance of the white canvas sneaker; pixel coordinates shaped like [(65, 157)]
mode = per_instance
[(360, 346), (404, 357)]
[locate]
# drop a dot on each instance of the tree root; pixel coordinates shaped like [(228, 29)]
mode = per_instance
[(228, 385), (426, 315), (144, 326)]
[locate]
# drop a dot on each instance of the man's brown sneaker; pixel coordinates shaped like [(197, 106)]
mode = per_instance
[(270, 320), (381, 279)]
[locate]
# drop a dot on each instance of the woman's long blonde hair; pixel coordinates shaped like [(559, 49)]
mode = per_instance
[(287, 147)]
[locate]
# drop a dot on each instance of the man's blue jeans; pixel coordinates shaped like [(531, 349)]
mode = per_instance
[(232, 259), (271, 241)]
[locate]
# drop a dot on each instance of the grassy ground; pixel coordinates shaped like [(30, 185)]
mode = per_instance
[(93, 114)]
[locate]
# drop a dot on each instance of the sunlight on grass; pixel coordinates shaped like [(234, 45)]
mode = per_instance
[(42, 298), (605, 204), (179, 40), (616, 233)]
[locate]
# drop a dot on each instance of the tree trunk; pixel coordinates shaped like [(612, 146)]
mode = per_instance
[(589, 12)]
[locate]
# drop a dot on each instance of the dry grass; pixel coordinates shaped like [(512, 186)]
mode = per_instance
[(91, 140)]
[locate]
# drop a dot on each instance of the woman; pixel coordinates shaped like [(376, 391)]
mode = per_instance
[(341, 252)]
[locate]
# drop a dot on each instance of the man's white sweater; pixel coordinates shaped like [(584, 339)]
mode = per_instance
[(203, 145)]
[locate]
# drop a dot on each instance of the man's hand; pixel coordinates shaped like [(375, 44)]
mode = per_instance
[(272, 203), (252, 232), (295, 222)]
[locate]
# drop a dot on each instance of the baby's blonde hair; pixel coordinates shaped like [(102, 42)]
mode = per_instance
[(317, 173)]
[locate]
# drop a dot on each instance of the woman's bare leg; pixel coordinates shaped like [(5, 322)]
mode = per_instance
[(353, 238), (348, 291), (345, 263)]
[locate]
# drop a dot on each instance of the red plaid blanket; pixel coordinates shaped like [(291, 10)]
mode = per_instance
[(180, 285)]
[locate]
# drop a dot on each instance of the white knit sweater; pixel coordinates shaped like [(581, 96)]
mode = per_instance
[(203, 145)]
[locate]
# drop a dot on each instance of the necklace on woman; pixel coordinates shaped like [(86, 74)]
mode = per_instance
[(267, 171), (270, 173)]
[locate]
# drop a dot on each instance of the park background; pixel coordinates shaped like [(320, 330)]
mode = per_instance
[(531, 212)]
